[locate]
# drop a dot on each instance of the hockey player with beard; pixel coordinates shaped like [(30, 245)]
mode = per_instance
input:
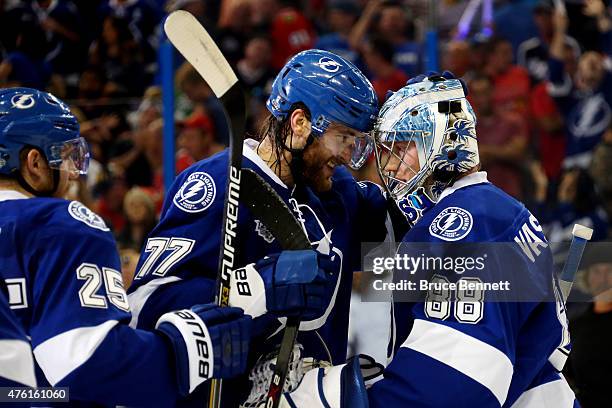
[(459, 348), (321, 107)]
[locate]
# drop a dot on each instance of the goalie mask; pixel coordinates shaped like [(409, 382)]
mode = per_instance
[(425, 138)]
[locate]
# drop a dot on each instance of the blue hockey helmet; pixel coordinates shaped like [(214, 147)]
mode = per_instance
[(427, 128), (32, 118), (333, 90)]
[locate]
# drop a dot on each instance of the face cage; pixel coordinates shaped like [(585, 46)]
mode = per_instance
[(396, 187), (74, 150)]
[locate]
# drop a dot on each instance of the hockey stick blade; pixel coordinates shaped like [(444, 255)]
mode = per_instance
[(267, 206), (196, 45), (580, 236)]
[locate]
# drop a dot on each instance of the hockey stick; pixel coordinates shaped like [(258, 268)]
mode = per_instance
[(266, 205), (580, 236), (195, 44), (198, 48)]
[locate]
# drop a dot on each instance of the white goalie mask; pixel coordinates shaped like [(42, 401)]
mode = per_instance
[(425, 137)]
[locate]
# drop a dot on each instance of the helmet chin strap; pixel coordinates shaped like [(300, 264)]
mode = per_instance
[(55, 175), (296, 166)]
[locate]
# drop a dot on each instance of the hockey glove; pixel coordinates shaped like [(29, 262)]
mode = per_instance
[(339, 386), (209, 341), (292, 283)]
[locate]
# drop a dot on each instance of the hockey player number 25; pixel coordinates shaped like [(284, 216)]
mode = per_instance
[(468, 304), (113, 283)]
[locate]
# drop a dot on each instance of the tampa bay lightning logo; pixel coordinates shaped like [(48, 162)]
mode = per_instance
[(196, 194), (329, 64), (23, 101), (452, 224), (79, 212)]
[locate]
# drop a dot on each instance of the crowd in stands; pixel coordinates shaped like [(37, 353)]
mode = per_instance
[(540, 82)]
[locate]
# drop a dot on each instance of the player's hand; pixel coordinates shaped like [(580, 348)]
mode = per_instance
[(292, 283), (208, 341)]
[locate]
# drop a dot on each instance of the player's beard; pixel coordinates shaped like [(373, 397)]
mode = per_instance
[(319, 164)]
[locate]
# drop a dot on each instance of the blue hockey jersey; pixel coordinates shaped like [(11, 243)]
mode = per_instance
[(465, 351), (16, 361), (178, 265), (61, 267)]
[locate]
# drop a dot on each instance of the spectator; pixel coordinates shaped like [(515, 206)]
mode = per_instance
[(393, 25), (378, 56), (502, 138), (513, 21), (591, 356), (290, 30), (584, 99), (90, 91), (25, 66), (255, 68), (110, 202), (457, 58), (511, 83), (67, 51), (601, 169), (548, 129), (577, 202), (341, 17), (142, 18), (533, 53), (139, 210), (120, 57), (196, 141), (198, 97), (234, 27)]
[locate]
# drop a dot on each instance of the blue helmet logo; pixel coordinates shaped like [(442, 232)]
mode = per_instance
[(333, 89), (23, 101), (329, 64)]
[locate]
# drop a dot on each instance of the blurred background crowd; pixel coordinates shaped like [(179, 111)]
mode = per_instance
[(540, 82)]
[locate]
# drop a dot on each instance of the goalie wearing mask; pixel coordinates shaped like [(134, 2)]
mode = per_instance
[(456, 348)]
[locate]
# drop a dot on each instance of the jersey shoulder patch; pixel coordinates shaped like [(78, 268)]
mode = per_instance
[(452, 224), (81, 213), (197, 193)]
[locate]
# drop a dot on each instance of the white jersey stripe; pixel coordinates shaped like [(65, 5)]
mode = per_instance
[(62, 354), (16, 362), (139, 297), (474, 358), (554, 394)]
